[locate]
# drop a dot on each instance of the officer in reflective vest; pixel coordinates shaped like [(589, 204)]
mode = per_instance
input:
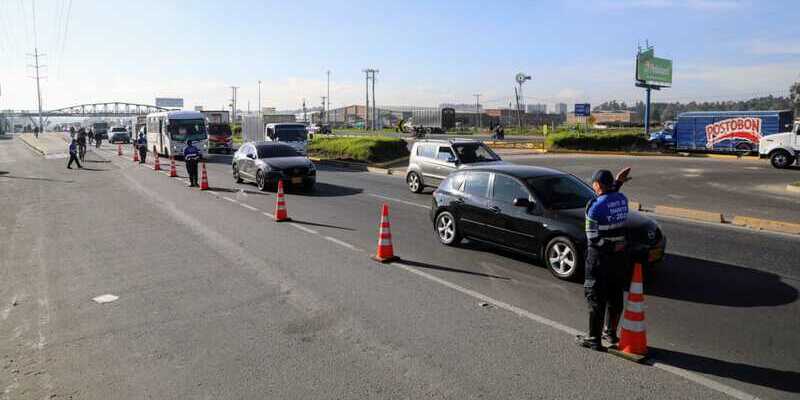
[(141, 146), (191, 155), (606, 263)]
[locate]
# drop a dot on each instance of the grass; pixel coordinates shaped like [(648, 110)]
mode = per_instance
[(628, 139), (796, 184), (371, 149)]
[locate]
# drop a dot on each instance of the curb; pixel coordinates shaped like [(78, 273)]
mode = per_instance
[(766, 225), (338, 163), (653, 154), (690, 214), (793, 188), (753, 223), (32, 146)]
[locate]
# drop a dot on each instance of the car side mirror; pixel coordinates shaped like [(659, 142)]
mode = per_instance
[(522, 202), (453, 160), (251, 156)]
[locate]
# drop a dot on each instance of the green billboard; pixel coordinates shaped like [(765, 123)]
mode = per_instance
[(652, 70)]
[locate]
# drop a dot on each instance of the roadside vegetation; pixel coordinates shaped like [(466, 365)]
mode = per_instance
[(628, 139), (236, 130), (369, 149)]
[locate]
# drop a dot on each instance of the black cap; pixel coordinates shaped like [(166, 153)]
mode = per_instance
[(603, 177)]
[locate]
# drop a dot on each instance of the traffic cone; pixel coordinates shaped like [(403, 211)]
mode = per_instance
[(156, 163), (281, 214), (204, 178), (119, 149), (135, 154), (633, 338), (172, 171), (385, 252)]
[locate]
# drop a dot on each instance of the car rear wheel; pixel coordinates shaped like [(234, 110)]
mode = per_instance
[(447, 229), (561, 258), (414, 182), (781, 159), (261, 181), (236, 176)]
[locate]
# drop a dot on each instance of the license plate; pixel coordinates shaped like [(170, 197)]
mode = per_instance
[(297, 180), (655, 255)]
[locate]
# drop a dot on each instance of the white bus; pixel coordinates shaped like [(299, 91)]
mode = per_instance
[(168, 131)]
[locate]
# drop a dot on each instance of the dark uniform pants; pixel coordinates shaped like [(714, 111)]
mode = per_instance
[(73, 157), (191, 168), (142, 154), (607, 274)]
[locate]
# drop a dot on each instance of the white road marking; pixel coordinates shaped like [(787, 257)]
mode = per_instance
[(696, 378), (105, 298), (212, 192), (410, 203), (249, 207), (303, 228), (229, 199), (266, 214), (342, 243)]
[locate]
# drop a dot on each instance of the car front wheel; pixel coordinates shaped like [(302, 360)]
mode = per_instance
[(414, 182), (561, 258), (236, 176), (261, 181), (447, 229)]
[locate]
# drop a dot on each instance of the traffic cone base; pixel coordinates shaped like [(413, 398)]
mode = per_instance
[(135, 154), (119, 149), (156, 163), (281, 214), (385, 251), (633, 336), (204, 178), (172, 171)]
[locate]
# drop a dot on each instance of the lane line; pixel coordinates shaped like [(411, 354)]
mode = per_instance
[(342, 243), (249, 207), (303, 228), (691, 376), (229, 199), (268, 215), (410, 203), (211, 192)]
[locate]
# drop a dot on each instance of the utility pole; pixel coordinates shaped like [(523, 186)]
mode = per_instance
[(366, 109), (478, 110), (305, 117), (233, 102), (259, 98), (328, 96), (375, 114), (324, 114), (36, 68)]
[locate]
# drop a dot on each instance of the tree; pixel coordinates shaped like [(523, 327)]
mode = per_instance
[(794, 94)]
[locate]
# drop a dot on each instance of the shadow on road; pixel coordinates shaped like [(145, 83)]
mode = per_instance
[(301, 222), (219, 159), (709, 282), (4, 174), (419, 264), (787, 381), (93, 169), (322, 189)]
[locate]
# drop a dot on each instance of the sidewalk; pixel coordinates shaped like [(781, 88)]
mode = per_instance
[(49, 144)]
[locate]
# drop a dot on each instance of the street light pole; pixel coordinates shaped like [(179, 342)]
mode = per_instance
[(328, 95), (366, 108), (478, 110), (259, 98)]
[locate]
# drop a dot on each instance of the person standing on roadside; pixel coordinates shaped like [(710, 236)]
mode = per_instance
[(90, 135), (141, 146), (191, 155), (73, 154), (606, 261), (81, 143)]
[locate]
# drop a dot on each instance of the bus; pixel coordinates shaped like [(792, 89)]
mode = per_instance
[(168, 131)]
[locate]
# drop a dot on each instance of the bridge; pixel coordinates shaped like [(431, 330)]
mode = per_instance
[(114, 109)]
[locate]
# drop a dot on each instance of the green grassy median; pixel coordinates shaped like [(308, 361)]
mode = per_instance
[(611, 140), (370, 149)]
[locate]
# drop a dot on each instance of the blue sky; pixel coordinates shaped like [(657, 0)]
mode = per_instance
[(427, 52)]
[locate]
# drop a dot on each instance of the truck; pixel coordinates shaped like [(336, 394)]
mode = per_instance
[(722, 131), (100, 129), (220, 136), (432, 120), (782, 149)]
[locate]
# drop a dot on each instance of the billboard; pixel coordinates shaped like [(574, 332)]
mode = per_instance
[(169, 102), (583, 110), (652, 70)]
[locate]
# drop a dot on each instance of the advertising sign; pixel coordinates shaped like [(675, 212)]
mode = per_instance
[(169, 102), (743, 128), (583, 110), (652, 70)]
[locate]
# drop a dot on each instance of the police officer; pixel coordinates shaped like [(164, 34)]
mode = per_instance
[(81, 143), (141, 146), (191, 155), (73, 154), (606, 262)]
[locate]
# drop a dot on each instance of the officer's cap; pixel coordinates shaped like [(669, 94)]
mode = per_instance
[(603, 177)]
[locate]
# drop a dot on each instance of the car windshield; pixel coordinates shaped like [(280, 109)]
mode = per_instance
[(182, 130), (270, 151), (560, 192), (474, 152), (291, 133), (219, 130), (118, 130)]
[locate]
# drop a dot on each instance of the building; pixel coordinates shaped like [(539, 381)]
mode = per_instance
[(537, 108), (613, 118), (560, 108)]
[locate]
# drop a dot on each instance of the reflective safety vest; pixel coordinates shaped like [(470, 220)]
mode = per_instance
[(191, 153), (605, 220)]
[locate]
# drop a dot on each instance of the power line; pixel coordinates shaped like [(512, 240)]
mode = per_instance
[(64, 38), (35, 34)]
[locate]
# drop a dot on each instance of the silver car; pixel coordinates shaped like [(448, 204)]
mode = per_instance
[(265, 163), (432, 160)]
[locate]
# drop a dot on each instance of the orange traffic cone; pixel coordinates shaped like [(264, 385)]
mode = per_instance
[(385, 251), (156, 163), (204, 178), (281, 214), (119, 149), (633, 339), (172, 171), (135, 154)]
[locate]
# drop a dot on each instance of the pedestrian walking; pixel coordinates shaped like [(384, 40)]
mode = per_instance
[(141, 146), (90, 135), (73, 154), (81, 143), (191, 155), (607, 265)]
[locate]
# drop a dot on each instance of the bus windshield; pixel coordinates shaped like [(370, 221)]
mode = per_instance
[(219, 130), (296, 133), (181, 130)]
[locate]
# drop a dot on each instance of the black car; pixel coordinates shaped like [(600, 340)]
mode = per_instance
[(267, 162), (532, 210)]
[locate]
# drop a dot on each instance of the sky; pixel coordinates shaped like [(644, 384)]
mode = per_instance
[(427, 52)]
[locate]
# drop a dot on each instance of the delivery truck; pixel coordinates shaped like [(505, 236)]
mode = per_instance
[(432, 120), (722, 131), (782, 149)]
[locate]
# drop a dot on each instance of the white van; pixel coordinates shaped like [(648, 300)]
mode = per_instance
[(293, 134)]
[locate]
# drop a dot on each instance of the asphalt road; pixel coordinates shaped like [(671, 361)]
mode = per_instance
[(217, 301), (747, 187)]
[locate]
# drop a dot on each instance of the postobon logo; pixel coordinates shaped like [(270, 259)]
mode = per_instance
[(748, 129)]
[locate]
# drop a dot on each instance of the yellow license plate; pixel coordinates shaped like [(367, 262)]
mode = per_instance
[(655, 255), (297, 180)]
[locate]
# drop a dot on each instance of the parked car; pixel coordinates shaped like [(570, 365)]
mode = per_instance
[(432, 160), (264, 163), (119, 134), (531, 210)]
